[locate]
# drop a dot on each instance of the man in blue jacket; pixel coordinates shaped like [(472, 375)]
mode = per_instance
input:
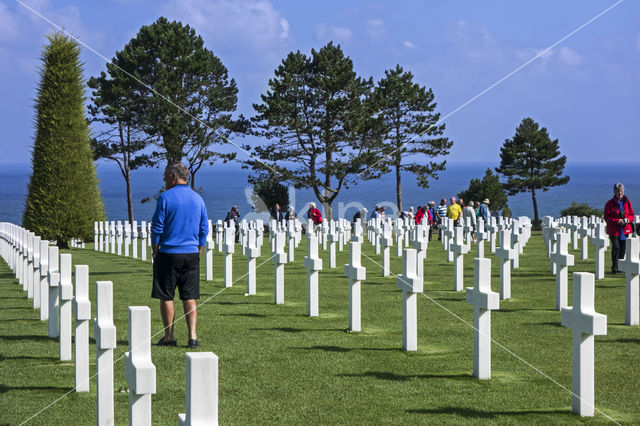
[(179, 231)]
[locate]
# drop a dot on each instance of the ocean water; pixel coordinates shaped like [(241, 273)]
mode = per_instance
[(224, 186)]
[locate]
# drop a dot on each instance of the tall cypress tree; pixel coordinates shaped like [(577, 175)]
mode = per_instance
[(64, 199)]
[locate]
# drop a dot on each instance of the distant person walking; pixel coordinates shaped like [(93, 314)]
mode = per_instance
[(618, 214), (233, 216), (179, 231), (483, 211), (314, 214), (453, 211), (276, 213), (441, 213)]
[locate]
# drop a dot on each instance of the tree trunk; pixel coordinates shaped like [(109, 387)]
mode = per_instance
[(328, 210), (536, 219), (127, 179), (399, 187)]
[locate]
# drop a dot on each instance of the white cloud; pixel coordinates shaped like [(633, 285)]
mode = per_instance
[(409, 44), (339, 34), (569, 56), (476, 43), (252, 24), (375, 28)]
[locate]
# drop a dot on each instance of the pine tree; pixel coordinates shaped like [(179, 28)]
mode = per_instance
[(531, 161), (489, 187), (63, 199)]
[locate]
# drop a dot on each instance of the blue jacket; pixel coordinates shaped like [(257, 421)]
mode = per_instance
[(180, 223)]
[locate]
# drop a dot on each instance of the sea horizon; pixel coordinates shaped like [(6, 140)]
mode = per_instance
[(224, 185)]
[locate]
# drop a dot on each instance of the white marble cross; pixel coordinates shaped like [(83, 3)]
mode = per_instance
[(66, 307), (143, 241), (631, 266), (279, 259), (105, 335), (419, 240), (252, 252), (202, 390), (99, 243), (356, 274), (44, 280), (332, 237), (459, 249), (313, 263), (113, 235), (484, 301), (583, 235), (229, 248), (291, 240), (481, 236), (410, 284), (505, 253), (139, 369), (134, 243), (219, 234), (36, 272), (447, 236), (492, 227), (208, 262), (54, 292), (386, 242), (127, 238), (601, 241), (584, 322), (119, 237), (82, 314), (562, 259)]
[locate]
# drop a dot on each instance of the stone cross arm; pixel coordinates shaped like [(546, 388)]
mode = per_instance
[(582, 317)]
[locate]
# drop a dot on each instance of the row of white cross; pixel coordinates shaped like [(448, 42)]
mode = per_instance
[(46, 276), (511, 235)]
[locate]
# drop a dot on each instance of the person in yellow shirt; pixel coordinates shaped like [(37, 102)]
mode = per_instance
[(453, 211)]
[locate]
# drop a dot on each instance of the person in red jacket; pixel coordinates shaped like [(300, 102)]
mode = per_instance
[(618, 214), (419, 215), (314, 214)]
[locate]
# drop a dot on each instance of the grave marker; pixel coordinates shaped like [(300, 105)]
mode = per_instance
[(66, 298), (356, 274), (313, 263), (279, 259), (105, 335), (631, 266), (202, 390), (584, 323), (459, 249), (410, 284), (139, 369), (562, 259), (484, 301), (82, 313), (505, 253), (54, 292)]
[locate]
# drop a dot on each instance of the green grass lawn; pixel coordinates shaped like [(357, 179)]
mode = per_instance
[(279, 366)]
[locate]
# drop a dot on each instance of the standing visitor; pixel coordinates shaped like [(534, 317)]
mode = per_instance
[(454, 211), (441, 213), (179, 231), (483, 211), (276, 213), (314, 214), (618, 214), (469, 212), (291, 213)]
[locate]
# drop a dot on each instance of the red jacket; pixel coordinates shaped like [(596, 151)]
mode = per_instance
[(420, 214), (315, 216), (612, 216)]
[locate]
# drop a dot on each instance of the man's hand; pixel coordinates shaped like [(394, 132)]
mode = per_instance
[(154, 251), (200, 250)]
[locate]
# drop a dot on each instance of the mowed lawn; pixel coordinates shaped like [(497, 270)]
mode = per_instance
[(278, 366)]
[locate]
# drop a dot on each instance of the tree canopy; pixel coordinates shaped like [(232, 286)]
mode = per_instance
[(411, 135), (63, 200), (184, 97), (489, 187), (531, 161), (319, 131)]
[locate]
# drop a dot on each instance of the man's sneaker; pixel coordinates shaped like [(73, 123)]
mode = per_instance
[(193, 344)]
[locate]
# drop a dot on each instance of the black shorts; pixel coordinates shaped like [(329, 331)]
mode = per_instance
[(176, 269)]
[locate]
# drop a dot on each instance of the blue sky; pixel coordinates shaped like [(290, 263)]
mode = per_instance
[(585, 91)]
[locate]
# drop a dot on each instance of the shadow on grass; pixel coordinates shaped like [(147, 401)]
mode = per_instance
[(40, 358), (471, 413), (636, 341), (552, 323), (528, 309), (328, 348), (34, 338), (385, 375), (62, 389), (118, 343), (6, 308), (250, 315), (295, 330), (22, 320)]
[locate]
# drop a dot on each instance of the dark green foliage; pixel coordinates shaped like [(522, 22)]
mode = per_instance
[(63, 199), (187, 98), (580, 209), (506, 211), (115, 103), (318, 128), (411, 133), (489, 187), (269, 192), (531, 161)]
